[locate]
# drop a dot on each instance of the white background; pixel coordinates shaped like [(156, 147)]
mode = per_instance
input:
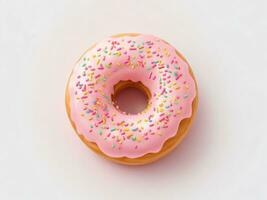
[(225, 153)]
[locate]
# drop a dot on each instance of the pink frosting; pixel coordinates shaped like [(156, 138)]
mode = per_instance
[(142, 58)]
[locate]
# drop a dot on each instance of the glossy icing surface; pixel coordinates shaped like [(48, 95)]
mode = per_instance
[(142, 58)]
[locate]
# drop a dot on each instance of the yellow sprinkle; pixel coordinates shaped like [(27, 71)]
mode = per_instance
[(160, 134), (139, 138)]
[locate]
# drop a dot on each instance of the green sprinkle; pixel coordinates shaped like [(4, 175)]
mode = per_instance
[(133, 138), (100, 132)]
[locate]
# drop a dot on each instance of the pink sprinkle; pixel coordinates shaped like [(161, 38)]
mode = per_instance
[(150, 75), (97, 76), (179, 76), (84, 88), (132, 49), (162, 119)]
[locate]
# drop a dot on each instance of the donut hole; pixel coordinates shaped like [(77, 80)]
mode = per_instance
[(130, 97)]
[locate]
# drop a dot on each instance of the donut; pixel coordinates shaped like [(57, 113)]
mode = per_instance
[(144, 62)]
